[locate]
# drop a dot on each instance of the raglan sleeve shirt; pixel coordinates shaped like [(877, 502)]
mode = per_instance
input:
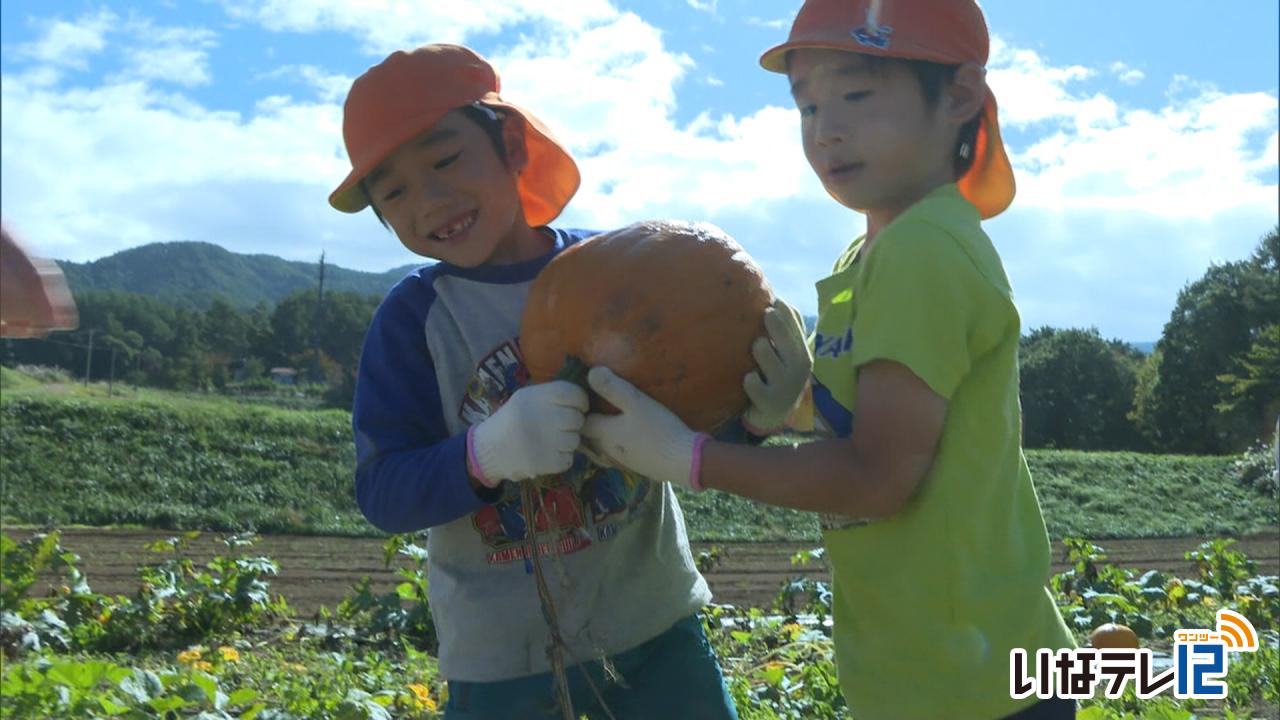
[(410, 473)]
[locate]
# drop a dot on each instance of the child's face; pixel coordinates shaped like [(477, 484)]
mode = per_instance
[(448, 195), (868, 132)]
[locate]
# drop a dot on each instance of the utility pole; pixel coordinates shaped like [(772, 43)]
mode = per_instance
[(88, 359), (316, 370)]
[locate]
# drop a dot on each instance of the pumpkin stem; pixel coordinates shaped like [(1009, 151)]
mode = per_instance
[(575, 371)]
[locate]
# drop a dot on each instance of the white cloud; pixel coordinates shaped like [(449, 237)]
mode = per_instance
[(1194, 156), (70, 44), (707, 6), (176, 55), (713, 81), (637, 161), (1126, 74), (1119, 206), (329, 87), (1105, 187), (92, 171), (1030, 90), (775, 24), (387, 25)]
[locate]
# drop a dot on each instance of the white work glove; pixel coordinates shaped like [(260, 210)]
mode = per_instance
[(783, 366), (535, 432), (645, 438)]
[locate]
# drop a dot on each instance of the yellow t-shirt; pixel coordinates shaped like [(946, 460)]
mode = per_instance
[(928, 603)]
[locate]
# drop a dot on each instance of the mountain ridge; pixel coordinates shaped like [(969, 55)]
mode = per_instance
[(165, 271), (192, 274)]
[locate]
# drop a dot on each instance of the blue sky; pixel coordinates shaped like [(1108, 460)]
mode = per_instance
[(1143, 133)]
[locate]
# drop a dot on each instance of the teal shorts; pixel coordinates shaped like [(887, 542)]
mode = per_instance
[(674, 676)]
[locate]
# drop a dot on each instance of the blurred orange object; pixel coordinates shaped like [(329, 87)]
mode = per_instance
[(1113, 635), (34, 299)]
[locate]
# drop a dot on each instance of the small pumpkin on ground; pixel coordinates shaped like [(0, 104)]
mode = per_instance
[(1113, 635), (672, 307)]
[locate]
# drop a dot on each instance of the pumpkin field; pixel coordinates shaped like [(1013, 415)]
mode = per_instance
[(317, 571), (114, 605)]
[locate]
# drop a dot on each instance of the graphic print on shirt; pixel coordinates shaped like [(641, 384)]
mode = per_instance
[(585, 504), (831, 418)]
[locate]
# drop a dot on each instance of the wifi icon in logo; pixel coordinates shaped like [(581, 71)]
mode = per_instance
[(1236, 632)]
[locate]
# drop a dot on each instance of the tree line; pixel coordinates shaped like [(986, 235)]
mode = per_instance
[(219, 348), (1211, 386)]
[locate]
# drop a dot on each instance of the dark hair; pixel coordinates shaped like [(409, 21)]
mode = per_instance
[(933, 78), (490, 121)]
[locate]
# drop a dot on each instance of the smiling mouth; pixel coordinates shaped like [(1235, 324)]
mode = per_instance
[(458, 225)]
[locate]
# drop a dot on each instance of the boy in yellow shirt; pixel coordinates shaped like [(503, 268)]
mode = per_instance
[(933, 529)]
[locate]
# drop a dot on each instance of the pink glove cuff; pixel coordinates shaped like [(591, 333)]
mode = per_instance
[(695, 467), (473, 463)]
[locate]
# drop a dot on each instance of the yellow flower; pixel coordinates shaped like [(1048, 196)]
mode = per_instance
[(792, 630), (423, 696), (202, 665), (187, 657), (104, 617), (229, 654)]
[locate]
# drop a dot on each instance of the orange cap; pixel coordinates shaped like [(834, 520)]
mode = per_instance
[(407, 93), (951, 32), (34, 298)]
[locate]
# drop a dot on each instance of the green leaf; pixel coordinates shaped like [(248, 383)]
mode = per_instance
[(242, 696), (79, 675), (167, 703), (208, 685), (112, 707), (773, 675)]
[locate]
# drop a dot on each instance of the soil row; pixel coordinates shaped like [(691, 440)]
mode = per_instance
[(316, 571)]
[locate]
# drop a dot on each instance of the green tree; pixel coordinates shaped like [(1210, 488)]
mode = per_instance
[(226, 330), (292, 324), (341, 324), (1077, 390), (1217, 328), (1253, 387)]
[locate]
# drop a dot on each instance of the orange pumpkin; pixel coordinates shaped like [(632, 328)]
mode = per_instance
[(1113, 635), (673, 307)]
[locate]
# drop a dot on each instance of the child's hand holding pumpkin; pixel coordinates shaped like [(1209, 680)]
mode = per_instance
[(645, 437), (534, 433), (783, 366)]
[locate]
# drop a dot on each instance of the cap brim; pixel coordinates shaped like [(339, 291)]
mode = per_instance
[(350, 197)]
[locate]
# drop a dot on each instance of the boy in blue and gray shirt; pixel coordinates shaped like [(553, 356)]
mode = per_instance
[(446, 427)]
